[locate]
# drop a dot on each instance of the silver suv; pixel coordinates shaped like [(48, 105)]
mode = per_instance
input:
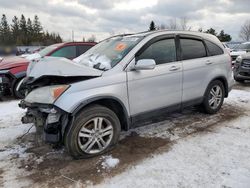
[(122, 82)]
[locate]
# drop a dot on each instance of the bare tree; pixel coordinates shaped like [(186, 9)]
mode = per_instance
[(245, 31), (184, 24), (178, 24), (162, 27), (172, 24), (92, 38)]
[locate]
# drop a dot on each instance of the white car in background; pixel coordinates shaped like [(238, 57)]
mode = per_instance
[(240, 50)]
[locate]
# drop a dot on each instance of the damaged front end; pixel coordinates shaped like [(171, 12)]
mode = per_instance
[(46, 81), (50, 121)]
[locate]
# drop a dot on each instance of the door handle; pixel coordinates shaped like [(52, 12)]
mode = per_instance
[(209, 62), (174, 68)]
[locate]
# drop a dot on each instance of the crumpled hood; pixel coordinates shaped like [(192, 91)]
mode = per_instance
[(11, 62), (54, 66)]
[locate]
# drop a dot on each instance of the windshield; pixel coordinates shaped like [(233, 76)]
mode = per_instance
[(47, 50), (108, 53), (243, 46)]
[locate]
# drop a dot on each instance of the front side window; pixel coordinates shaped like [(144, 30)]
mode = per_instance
[(213, 48), (162, 51), (67, 52), (192, 49)]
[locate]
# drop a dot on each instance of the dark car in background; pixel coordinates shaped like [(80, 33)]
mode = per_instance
[(13, 69), (242, 68), (240, 50)]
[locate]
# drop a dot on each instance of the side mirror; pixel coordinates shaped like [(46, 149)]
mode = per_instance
[(145, 64)]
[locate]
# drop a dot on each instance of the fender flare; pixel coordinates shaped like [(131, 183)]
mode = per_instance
[(224, 82), (82, 105)]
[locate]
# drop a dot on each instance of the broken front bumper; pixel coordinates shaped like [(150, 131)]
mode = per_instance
[(51, 120)]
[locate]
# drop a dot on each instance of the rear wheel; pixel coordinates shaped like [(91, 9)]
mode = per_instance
[(19, 90), (95, 130), (214, 97)]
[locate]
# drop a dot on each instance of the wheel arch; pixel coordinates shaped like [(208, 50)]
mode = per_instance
[(16, 78), (113, 104), (224, 82)]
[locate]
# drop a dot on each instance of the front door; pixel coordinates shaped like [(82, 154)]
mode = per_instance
[(151, 90)]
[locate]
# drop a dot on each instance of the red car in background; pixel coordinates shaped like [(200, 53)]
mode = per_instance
[(13, 69)]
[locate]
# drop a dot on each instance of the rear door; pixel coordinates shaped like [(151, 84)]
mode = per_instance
[(151, 90), (196, 67)]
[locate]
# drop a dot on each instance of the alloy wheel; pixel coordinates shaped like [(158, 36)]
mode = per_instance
[(215, 97), (95, 135)]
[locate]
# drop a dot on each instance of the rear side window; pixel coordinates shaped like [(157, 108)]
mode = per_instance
[(162, 51), (213, 48), (82, 49), (67, 51), (192, 49)]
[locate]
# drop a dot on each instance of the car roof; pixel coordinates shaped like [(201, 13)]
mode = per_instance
[(162, 32)]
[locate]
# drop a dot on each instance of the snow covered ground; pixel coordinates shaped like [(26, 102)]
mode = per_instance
[(193, 150)]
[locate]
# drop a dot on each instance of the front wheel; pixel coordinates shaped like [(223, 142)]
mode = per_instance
[(214, 97), (95, 130)]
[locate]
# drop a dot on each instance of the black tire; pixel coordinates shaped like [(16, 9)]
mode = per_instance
[(19, 94), (206, 107), (71, 140)]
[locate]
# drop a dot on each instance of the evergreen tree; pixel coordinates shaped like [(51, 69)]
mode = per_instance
[(15, 30), (37, 28), (58, 38), (211, 31), (5, 31), (152, 26), (23, 30), (30, 32), (223, 37)]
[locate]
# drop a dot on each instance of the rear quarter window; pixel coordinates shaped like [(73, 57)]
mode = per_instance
[(192, 49), (213, 49)]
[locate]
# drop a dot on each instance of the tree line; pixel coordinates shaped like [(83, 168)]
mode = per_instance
[(26, 32), (182, 24)]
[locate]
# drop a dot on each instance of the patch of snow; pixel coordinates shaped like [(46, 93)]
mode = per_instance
[(10, 129), (216, 159), (11, 126), (239, 97), (109, 162)]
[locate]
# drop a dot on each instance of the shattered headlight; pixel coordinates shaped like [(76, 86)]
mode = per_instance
[(47, 94)]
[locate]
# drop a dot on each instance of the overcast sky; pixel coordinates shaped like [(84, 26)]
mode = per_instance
[(106, 17)]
